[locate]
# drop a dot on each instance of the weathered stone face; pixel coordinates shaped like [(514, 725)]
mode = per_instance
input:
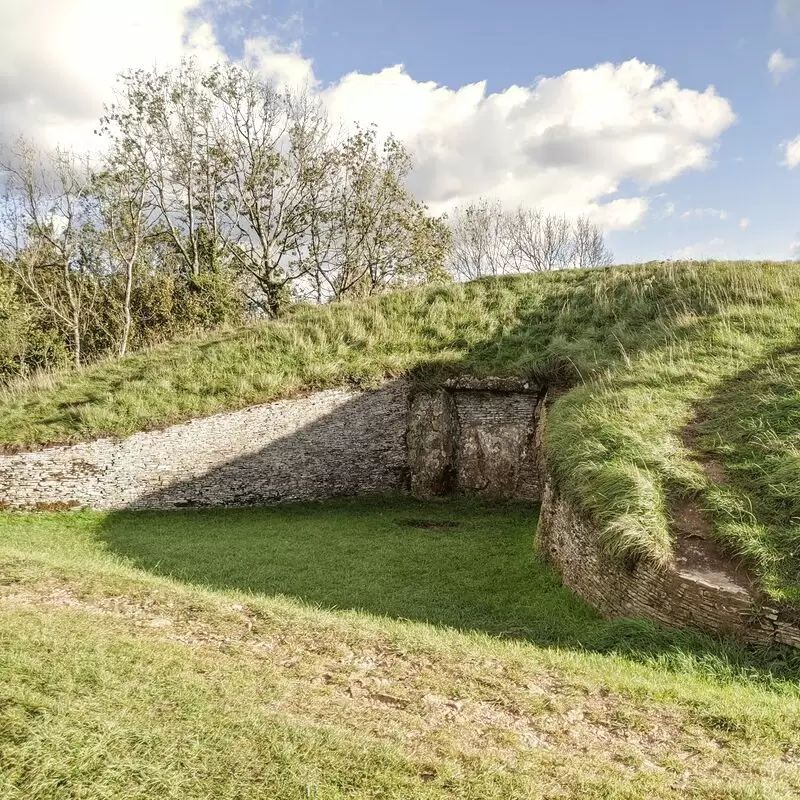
[(431, 443), (496, 444), (474, 441)]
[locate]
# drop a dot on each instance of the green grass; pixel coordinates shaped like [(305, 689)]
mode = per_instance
[(641, 349), (752, 425), (333, 651)]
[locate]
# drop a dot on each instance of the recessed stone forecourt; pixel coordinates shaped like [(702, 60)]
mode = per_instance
[(465, 436)]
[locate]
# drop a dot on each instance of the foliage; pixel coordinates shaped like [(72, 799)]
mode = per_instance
[(25, 344), (372, 234), (48, 237), (238, 168)]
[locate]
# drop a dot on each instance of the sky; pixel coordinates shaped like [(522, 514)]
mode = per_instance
[(673, 124)]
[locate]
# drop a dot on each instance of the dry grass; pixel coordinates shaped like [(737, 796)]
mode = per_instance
[(118, 683)]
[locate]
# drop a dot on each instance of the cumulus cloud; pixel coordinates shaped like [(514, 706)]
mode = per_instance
[(779, 64), (568, 143), (59, 60), (791, 153), (700, 250), (744, 223), (275, 62), (588, 141)]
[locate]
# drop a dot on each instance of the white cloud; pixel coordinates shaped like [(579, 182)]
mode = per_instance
[(779, 64), (705, 213), (60, 59), (568, 143), (700, 250), (791, 153), (283, 65), (744, 223), (669, 209), (619, 214), (588, 141)]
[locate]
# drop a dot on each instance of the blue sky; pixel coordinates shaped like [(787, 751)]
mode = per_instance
[(667, 167), (725, 43)]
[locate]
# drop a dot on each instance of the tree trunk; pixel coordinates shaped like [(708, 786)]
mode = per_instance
[(273, 303), (76, 340), (126, 327)]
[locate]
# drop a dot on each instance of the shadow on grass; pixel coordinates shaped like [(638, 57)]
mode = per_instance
[(461, 564), (483, 574)]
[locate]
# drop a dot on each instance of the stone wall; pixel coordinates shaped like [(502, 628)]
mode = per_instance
[(329, 444), (466, 437), (682, 595), (476, 437)]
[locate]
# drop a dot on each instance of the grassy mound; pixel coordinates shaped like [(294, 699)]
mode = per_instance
[(647, 350)]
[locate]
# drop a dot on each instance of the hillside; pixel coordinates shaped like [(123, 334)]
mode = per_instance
[(675, 381)]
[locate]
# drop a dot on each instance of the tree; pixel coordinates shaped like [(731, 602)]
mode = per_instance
[(121, 189), (371, 233), (48, 219), (490, 240), (479, 240), (234, 165), (537, 242), (275, 148), (217, 194), (162, 131), (588, 247)]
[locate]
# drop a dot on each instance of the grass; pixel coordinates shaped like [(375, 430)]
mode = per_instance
[(752, 425), (336, 650), (642, 351)]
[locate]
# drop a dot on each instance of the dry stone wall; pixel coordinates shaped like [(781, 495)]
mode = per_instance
[(467, 437), (677, 596), (329, 444)]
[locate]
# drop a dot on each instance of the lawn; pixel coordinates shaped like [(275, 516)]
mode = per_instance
[(372, 648), (636, 353)]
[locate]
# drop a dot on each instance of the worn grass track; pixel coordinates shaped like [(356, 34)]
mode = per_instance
[(118, 681)]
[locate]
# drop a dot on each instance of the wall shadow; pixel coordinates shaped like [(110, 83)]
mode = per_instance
[(483, 574), (286, 452), (460, 563)]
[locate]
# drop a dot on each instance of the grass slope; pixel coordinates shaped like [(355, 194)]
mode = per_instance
[(646, 349), (143, 656)]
